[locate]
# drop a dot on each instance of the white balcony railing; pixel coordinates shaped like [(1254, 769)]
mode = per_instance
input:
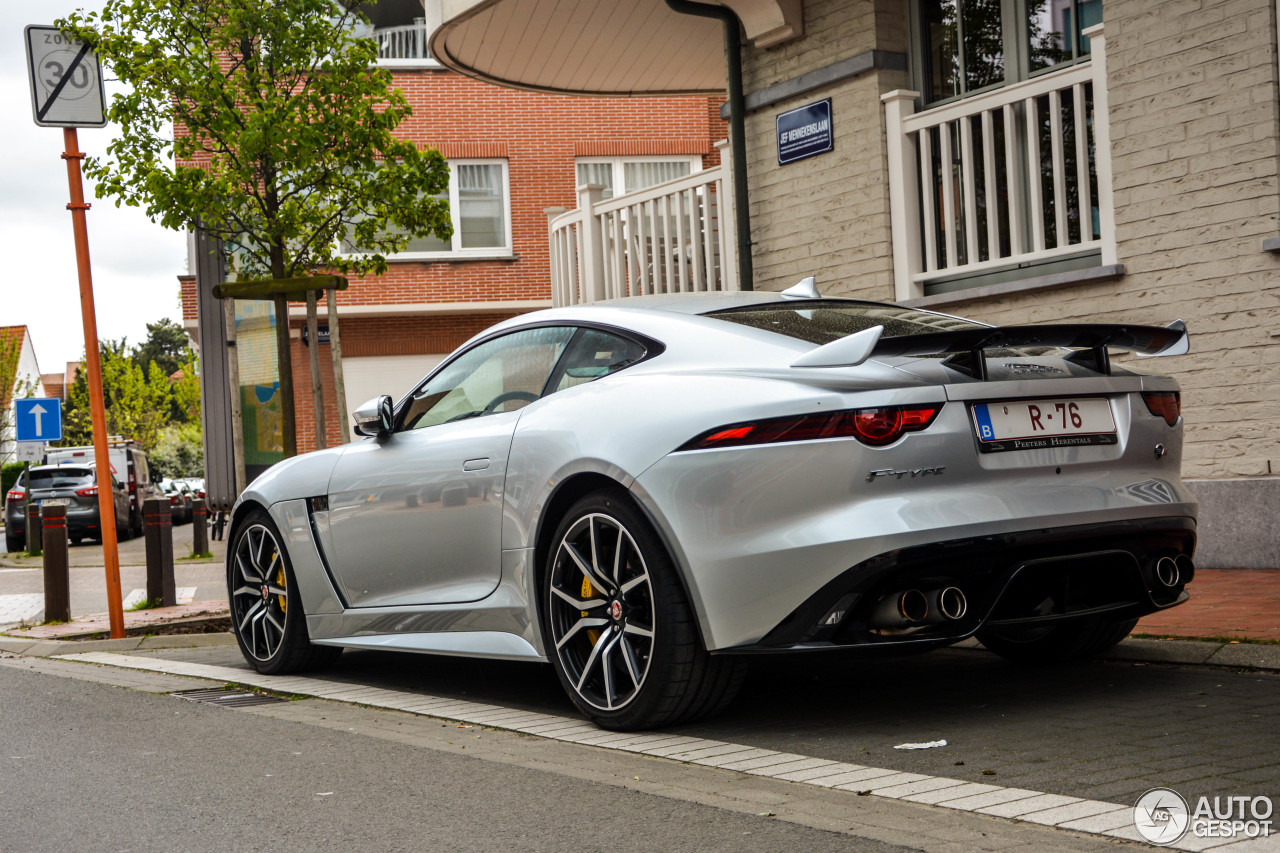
[(675, 237), (1012, 176), (404, 42)]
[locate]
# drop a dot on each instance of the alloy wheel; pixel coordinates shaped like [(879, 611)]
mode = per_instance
[(259, 595), (601, 611)]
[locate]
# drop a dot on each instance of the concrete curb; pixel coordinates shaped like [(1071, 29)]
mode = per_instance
[(1185, 652), (54, 648), (1181, 652)]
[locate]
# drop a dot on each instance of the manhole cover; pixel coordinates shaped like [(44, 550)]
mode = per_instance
[(227, 697)]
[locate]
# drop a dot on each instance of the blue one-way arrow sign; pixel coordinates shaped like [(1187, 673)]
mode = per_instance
[(38, 419)]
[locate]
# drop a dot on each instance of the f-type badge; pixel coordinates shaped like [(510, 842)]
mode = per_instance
[(912, 473)]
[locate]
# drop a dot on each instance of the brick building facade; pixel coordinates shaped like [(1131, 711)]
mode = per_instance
[(531, 146)]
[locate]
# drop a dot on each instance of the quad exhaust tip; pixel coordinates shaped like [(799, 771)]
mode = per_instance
[(913, 606), (952, 603), (1167, 572)]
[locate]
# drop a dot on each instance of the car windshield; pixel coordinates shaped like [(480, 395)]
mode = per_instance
[(823, 321), (60, 478)]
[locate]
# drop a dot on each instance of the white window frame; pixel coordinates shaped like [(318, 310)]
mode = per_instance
[(456, 253), (619, 164)]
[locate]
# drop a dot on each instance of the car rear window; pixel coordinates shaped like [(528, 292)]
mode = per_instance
[(57, 478), (823, 321)]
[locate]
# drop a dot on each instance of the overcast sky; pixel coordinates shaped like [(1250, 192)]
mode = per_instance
[(135, 263)]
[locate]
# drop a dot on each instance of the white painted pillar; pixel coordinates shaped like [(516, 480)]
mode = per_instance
[(904, 194)]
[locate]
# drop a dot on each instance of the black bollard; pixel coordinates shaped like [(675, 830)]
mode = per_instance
[(199, 527), (34, 539), (158, 528), (57, 581)]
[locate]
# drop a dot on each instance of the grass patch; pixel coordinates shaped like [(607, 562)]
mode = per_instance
[(207, 555), (262, 691), (1254, 641), (146, 604)]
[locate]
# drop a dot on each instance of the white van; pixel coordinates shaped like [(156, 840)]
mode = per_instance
[(129, 465)]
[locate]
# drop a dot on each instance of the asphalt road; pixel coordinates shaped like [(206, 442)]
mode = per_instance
[(89, 767)]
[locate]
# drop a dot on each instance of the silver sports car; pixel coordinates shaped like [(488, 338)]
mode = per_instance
[(649, 491)]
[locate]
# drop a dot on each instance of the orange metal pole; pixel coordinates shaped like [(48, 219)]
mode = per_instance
[(93, 367)]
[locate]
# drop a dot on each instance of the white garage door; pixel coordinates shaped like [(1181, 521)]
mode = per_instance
[(370, 376)]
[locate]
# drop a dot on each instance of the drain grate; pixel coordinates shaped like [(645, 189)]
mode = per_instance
[(227, 697)]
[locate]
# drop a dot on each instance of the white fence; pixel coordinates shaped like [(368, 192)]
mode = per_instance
[(676, 237), (404, 42), (1015, 175)]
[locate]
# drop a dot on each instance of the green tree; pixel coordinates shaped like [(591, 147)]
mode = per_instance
[(137, 404), (284, 136), (166, 345), (179, 452)]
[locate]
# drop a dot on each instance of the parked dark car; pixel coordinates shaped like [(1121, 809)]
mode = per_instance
[(181, 500), (74, 486)]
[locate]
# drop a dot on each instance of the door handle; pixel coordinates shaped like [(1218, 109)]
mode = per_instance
[(476, 464)]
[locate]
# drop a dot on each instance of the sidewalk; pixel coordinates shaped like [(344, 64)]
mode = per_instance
[(1227, 604)]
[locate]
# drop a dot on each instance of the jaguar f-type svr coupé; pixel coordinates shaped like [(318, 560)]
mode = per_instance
[(647, 492)]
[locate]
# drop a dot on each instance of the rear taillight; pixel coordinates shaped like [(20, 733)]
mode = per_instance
[(1164, 404), (15, 495), (173, 500), (876, 427), (88, 492)]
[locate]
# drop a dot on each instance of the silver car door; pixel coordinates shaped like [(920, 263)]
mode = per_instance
[(415, 517)]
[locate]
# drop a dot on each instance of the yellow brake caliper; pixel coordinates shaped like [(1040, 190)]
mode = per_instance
[(284, 603), (592, 634)]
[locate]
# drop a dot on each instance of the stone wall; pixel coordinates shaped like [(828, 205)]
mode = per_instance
[(827, 216)]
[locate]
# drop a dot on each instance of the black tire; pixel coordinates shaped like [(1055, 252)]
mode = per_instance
[(135, 525), (266, 609), (13, 542), (76, 540), (1066, 641), (637, 661)]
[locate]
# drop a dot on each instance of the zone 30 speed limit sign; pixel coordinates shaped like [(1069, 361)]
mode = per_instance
[(66, 80)]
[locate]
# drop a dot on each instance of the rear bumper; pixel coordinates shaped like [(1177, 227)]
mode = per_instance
[(1035, 577)]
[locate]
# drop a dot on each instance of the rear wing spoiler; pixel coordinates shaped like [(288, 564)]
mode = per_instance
[(1090, 340)]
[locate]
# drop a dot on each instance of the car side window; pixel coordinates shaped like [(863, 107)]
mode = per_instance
[(499, 375), (596, 353)]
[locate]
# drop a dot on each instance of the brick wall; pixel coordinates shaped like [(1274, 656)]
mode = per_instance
[(540, 136)]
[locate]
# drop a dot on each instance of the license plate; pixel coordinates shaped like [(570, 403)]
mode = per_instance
[(56, 502), (1036, 424)]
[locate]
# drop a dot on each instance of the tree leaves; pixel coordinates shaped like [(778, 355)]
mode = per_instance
[(282, 133)]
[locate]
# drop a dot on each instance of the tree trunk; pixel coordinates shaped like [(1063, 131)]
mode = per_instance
[(335, 350), (288, 432), (313, 360)]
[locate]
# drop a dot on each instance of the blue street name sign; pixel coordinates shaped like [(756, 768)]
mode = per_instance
[(38, 419), (804, 132)]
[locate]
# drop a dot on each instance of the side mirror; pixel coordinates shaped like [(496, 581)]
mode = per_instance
[(373, 417)]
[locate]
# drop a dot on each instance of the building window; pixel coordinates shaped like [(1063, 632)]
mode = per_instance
[(479, 207), (633, 174), (969, 46)]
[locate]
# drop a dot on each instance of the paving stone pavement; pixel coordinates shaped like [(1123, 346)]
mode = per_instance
[(1103, 731)]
